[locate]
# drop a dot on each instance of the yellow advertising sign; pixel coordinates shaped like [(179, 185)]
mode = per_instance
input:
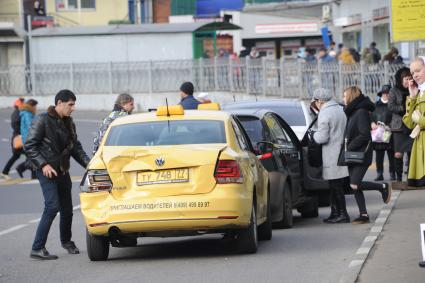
[(408, 20)]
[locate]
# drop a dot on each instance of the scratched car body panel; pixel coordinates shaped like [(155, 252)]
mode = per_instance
[(161, 185)]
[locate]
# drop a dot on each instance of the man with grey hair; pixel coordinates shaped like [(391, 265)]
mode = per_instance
[(124, 105), (330, 134)]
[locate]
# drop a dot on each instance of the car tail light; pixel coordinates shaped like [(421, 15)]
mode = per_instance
[(265, 156), (227, 172), (98, 180)]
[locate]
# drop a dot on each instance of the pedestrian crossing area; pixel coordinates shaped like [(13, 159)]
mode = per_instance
[(28, 181)]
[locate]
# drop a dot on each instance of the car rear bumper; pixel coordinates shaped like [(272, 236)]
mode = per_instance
[(226, 207)]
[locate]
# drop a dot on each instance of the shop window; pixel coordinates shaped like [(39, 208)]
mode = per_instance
[(287, 52), (63, 5)]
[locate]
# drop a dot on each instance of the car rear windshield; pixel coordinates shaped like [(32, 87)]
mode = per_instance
[(167, 133), (253, 128)]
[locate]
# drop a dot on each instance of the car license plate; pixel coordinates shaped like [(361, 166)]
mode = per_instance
[(163, 177)]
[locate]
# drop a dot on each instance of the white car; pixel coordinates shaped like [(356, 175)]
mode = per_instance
[(294, 111)]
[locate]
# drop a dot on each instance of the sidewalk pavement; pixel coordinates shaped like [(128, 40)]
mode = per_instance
[(397, 252)]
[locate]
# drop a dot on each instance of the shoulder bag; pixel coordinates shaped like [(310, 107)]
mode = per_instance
[(354, 157)]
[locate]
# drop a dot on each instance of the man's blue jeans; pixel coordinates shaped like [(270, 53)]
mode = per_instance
[(57, 198)]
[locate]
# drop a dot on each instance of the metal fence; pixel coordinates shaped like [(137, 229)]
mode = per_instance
[(266, 77)]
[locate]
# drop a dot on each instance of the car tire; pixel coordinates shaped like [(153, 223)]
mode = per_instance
[(309, 209), (265, 230), (97, 247), (287, 217), (247, 240)]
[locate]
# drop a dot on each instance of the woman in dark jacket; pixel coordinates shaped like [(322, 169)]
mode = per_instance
[(397, 105), (383, 115), (15, 122), (358, 139)]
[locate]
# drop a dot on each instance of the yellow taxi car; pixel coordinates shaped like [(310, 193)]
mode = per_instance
[(174, 173)]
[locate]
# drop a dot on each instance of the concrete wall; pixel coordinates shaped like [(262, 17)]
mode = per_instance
[(143, 101), (15, 54), (9, 11), (105, 11), (112, 48)]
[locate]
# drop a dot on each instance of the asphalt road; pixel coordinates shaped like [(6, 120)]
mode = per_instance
[(309, 252)]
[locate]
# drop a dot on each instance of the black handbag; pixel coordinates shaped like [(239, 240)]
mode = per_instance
[(354, 157), (314, 154)]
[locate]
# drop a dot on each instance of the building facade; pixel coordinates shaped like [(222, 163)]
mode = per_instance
[(87, 12), (12, 33), (357, 23)]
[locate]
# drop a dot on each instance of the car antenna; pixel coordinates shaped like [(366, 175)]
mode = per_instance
[(166, 103), (168, 115)]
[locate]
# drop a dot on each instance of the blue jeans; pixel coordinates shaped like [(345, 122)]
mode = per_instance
[(57, 198)]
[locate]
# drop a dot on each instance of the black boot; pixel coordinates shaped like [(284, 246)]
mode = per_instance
[(341, 208), (393, 176), (398, 164), (20, 169), (334, 212), (380, 176)]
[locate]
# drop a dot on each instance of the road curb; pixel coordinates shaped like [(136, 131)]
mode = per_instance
[(356, 264)]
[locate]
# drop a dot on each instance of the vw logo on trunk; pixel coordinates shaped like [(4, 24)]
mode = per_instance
[(159, 161)]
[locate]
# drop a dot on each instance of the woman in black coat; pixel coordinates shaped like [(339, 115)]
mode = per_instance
[(383, 115), (402, 143), (358, 139)]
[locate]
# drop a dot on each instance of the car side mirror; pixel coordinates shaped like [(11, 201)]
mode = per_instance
[(265, 147)]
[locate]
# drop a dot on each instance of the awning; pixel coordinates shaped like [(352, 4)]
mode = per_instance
[(10, 33), (134, 29), (218, 26)]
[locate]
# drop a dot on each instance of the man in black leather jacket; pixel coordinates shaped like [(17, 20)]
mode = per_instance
[(51, 141)]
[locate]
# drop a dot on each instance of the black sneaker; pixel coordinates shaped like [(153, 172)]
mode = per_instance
[(71, 247), (379, 178), (20, 171), (386, 192), (42, 254), (362, 219), (392, 177)]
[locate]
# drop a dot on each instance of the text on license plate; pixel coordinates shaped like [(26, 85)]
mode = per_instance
[(163, 177)]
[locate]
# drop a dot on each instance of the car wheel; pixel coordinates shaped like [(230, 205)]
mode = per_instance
[(287, 218), (309, 209), (247, 238), (97, 247), (265, 230)]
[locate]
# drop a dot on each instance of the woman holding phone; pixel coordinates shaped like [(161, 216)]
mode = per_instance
[(414, 119)]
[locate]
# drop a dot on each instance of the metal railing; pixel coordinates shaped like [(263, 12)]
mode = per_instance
[(265, 77)]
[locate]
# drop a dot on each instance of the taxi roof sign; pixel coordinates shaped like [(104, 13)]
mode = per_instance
[(170, 110), (209, 106)]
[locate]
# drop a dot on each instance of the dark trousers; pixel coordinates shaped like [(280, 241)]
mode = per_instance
[(16, 154), (57, 198), (399, 165), (380, 155), (359, 196), (338, 195)]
